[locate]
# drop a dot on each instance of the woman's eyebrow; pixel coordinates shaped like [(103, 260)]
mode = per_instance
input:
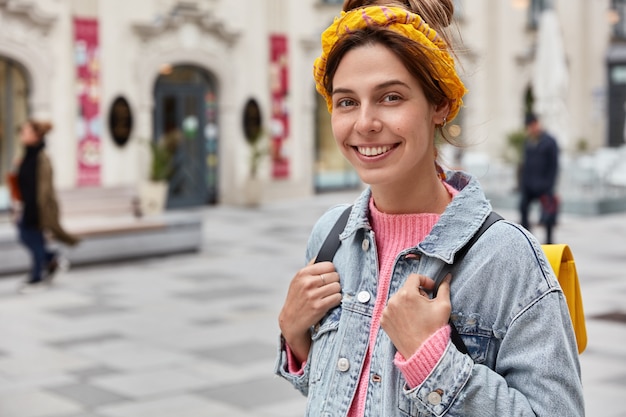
[(381, 86)]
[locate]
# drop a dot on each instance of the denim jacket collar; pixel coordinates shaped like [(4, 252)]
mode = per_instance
[(453, 230)]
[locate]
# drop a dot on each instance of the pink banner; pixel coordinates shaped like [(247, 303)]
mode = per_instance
[(88, 123), (279, 71)]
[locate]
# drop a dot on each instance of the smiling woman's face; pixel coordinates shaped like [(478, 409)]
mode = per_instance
[(381, 119)]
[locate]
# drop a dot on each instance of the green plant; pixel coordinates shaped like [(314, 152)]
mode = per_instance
[(257, 151), (582, 145), (515, 149), (160, 167)]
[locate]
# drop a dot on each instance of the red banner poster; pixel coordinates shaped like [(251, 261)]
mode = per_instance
[(88, 123), (279, 75)]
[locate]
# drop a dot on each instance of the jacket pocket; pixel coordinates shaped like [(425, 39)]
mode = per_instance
[(475, 334)]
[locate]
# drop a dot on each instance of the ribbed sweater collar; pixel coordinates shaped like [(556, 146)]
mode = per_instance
[(396, 232)]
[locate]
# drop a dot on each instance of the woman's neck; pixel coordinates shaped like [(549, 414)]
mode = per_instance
[(426, 197)]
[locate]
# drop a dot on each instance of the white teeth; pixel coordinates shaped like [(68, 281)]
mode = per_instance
[(373, 151)]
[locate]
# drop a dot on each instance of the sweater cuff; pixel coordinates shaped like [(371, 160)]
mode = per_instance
[(417, 368), (294, 366)]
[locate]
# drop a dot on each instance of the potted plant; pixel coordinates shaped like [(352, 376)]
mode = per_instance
[(514, 153), (253, 133), (253, 187), (153, 193)]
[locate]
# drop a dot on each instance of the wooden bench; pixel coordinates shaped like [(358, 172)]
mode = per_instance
[(111, 229)]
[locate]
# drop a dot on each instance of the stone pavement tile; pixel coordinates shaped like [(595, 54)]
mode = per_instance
[(210, 294), (41, 361), (87, 310), (253, 394), (288, 407), (241, 353), (150, 383), (93, 372), (86, 395), (20, 384), (188, 337), (35, 404), (183, 405), (87, 339), (606, 338), (603, 396), (79, 415), (126, 355)]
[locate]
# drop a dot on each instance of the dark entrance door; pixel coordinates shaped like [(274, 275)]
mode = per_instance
[(617, 103), (186, 125)]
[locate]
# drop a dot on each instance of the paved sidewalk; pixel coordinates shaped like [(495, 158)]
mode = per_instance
[(195, 335)]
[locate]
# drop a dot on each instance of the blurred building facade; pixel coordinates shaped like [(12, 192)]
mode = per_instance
[(199, 76)]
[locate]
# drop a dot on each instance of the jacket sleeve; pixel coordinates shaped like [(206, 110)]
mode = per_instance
[(47, 203), (526, 378)]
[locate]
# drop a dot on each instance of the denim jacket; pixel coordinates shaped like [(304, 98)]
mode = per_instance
[(506, 304)]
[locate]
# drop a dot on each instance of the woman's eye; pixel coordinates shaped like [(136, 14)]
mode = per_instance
[(346, 102), (391, 97)]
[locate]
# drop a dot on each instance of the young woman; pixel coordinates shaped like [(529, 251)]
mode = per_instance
[(361, 336), (39, 211)]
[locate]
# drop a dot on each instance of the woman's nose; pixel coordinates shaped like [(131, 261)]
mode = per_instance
[(368, 120)]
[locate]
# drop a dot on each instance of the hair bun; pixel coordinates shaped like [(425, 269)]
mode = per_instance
[(437, 13)]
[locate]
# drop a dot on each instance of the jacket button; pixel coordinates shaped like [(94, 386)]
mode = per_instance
[(434, 398), (343, 364), (365, 245), (363, 297)]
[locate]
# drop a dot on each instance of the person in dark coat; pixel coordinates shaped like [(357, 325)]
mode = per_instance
[(540, 167), (39, 211)]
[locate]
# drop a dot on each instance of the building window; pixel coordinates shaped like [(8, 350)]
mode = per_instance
[(618, 18)]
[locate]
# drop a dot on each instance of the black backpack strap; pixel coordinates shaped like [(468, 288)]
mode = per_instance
[(332, 242), (458, 257), (455, 337)]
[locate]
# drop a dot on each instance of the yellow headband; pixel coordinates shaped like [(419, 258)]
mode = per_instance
[(405, 23)]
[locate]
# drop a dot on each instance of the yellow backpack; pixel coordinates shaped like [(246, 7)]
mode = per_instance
[(562, 262)]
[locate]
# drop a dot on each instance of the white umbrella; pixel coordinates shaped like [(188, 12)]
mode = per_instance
[(551, 78)]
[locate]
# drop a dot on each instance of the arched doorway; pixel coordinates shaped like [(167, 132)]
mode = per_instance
[(14, 93), (185, 121)]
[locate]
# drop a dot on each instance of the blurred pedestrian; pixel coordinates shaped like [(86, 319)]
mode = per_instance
[(37, 212), (365, 334), (540, 167)]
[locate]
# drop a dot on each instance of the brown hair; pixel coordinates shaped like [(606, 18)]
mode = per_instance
[(41, 128)]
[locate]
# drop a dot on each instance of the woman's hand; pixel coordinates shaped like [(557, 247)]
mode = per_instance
[(411, 317), (313, 291)]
